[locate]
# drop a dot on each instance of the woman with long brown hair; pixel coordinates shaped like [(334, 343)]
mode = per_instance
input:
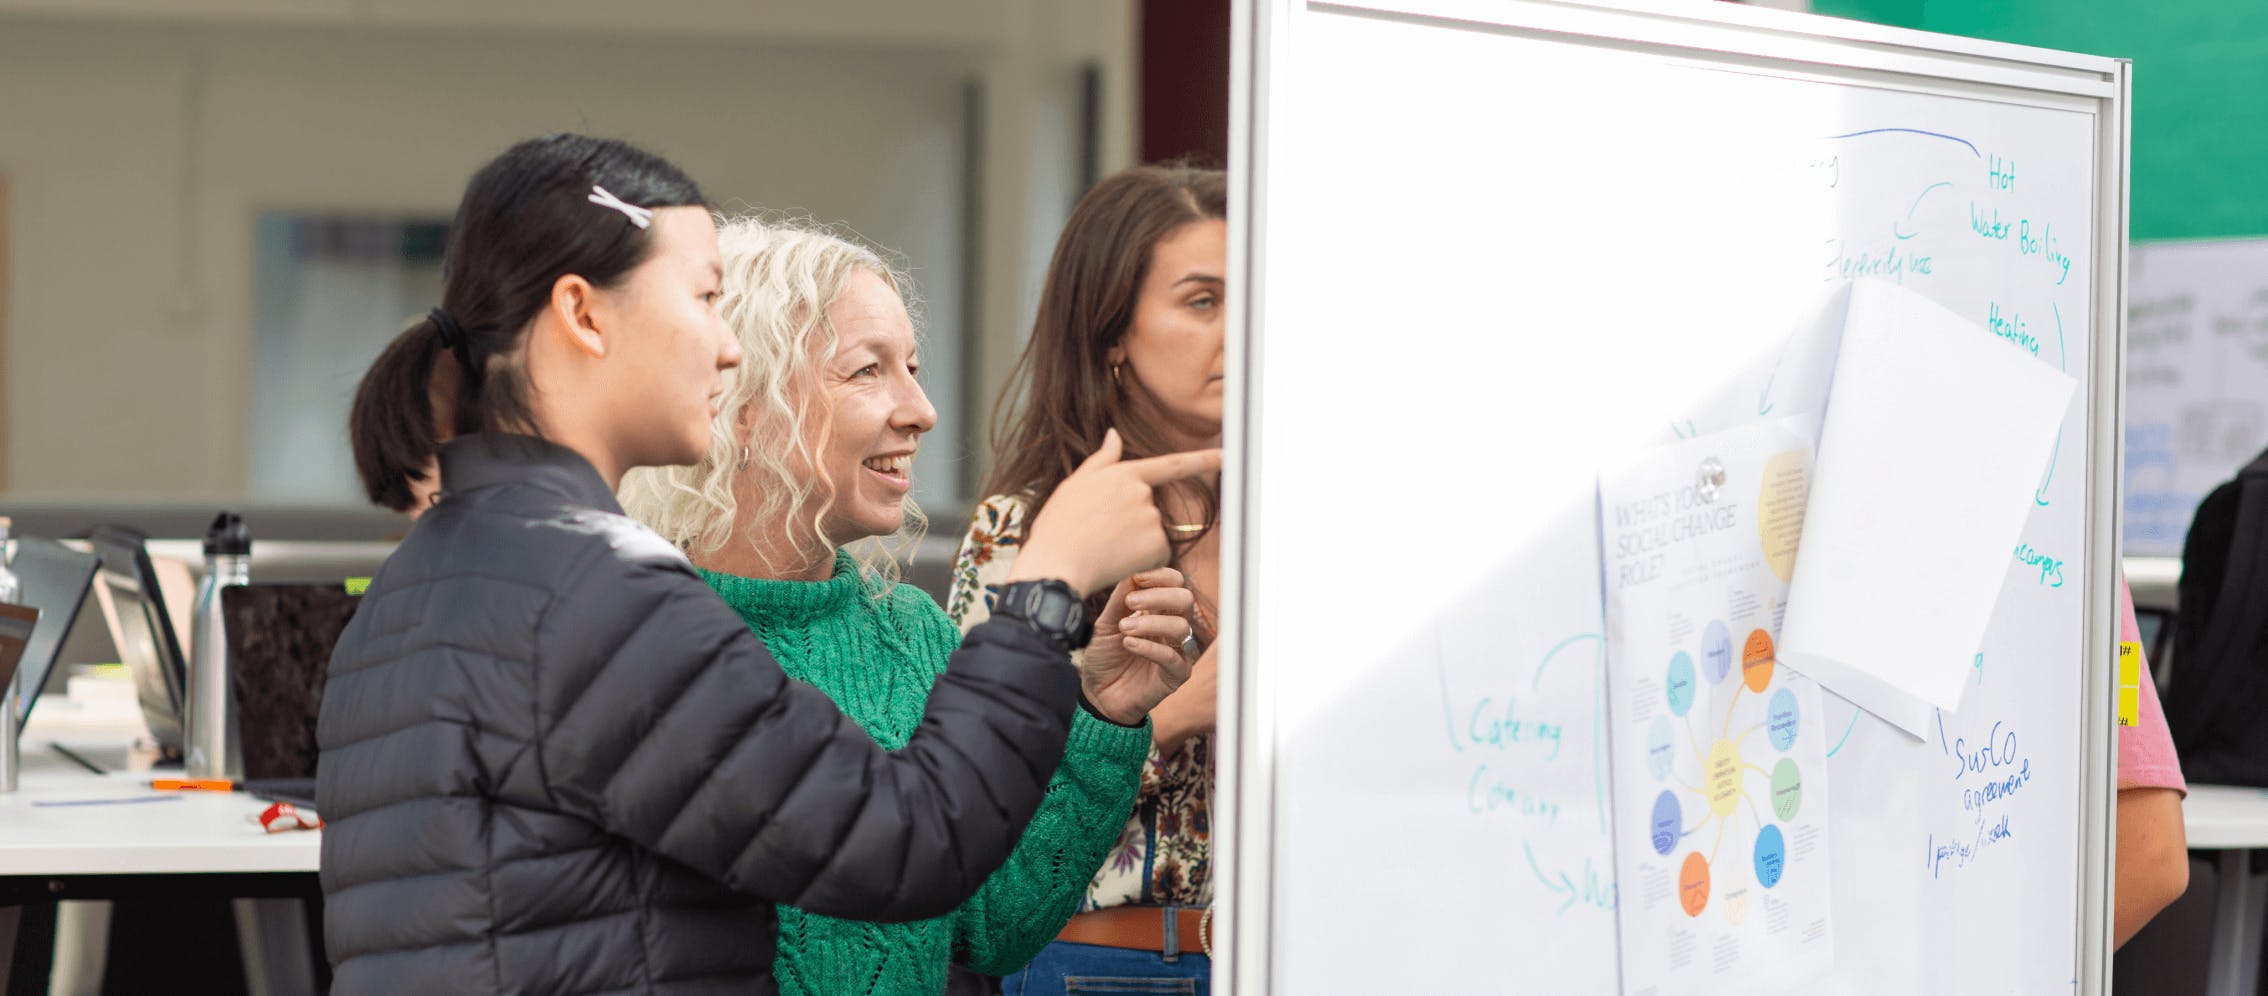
[(1129, 337)]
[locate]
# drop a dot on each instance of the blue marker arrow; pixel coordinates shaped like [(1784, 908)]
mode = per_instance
[(1569, 888), (1897, 228), (2062, 362), (1852, 725)]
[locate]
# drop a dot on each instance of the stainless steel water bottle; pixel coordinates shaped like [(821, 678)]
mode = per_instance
[(210, 747)]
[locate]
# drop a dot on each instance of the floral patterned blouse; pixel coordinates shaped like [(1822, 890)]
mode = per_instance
[(1164, 856)]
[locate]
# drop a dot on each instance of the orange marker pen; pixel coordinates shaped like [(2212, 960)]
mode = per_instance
[(192, 784)]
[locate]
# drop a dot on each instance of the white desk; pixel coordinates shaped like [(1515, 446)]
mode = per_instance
[(161, 833), (2233, 821), (158, 833), (121, 838)]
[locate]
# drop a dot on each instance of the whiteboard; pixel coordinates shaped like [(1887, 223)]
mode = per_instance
[(1482, 247), (2196, 380)]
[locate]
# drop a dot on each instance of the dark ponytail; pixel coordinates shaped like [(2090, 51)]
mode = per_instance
[(392, 421), (526, 220)]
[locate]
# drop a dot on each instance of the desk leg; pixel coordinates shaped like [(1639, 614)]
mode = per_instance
[(271, 934), (29, 932), (2256, 912), (2236, 932), (82, 947), (11, 917)]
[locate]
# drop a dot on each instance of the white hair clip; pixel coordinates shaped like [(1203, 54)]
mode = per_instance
[(641, 217)]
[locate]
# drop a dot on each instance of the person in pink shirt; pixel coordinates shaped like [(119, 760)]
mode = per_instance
[(2153, 852)]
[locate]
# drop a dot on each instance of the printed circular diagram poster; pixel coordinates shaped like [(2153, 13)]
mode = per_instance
[(1719, 764)]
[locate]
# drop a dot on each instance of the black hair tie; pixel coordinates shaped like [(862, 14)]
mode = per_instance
[(453, 336)]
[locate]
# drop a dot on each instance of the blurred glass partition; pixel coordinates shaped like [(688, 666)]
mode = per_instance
[(330, 291)]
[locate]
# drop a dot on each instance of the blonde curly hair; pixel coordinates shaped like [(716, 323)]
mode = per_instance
[(781, 275)]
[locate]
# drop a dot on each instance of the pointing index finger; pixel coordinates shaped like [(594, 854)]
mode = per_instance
[(1158, 470)]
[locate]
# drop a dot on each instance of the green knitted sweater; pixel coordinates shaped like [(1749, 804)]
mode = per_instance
[(877, 658)]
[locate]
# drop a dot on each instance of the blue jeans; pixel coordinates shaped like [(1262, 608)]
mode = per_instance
[(1066, 969)]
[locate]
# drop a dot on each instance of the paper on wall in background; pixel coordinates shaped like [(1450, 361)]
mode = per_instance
[(1719, 759), (2196, 405), (1935, 439)]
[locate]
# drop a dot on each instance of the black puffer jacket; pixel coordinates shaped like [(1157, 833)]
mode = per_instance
[(553, 761)]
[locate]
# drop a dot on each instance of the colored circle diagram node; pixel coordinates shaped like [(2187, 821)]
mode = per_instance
[(1742, 792)]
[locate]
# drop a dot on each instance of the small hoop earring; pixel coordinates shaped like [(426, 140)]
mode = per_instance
[(746, 457)]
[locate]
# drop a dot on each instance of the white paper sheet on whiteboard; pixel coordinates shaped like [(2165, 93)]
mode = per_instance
[(1935, 439)]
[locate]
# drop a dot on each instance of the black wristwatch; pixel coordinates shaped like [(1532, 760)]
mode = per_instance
[(1049, 606)]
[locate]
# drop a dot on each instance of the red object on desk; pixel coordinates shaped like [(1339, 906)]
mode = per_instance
[(192, 784), (284, 816)]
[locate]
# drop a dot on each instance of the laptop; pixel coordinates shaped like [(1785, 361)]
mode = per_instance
[(56, 580), (280, 637), (132, 597)]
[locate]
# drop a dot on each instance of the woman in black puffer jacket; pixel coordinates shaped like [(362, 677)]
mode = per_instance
[(552, 760)]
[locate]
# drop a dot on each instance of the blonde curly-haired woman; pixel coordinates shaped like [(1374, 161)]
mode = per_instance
[(813, 453)]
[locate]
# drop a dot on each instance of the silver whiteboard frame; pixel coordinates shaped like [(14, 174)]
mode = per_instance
[(1785, 43)]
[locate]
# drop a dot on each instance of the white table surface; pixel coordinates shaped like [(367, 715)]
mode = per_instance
[(184, 833), (2220, 817)]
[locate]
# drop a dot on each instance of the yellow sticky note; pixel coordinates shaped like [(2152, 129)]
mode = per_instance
[(357, 586), (2129, 684)]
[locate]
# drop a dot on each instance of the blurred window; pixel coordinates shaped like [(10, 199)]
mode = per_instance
[(331, 290)]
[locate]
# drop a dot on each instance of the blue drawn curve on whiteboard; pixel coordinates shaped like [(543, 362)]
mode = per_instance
[(2039, 497), (1898, 228), (1847, 728), (2062, 357), (1598, 714), (2063, 363), (1909, 131), (1565, 884), (1554, 652), (1764, 397), (1441, 670)]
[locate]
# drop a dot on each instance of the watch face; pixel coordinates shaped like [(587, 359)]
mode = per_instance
[(1049, 607)]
